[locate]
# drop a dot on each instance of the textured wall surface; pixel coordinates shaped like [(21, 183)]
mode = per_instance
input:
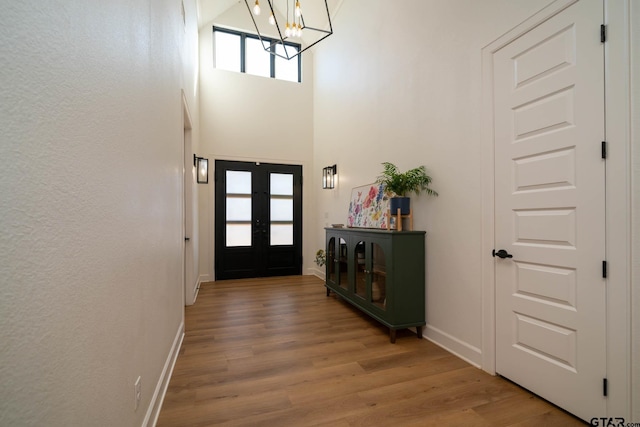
[(635, 143), (90, 206)]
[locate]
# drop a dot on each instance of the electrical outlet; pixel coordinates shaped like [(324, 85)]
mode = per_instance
[(137, 388)]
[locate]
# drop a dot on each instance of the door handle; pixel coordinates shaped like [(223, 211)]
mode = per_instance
[(186, 239), (501, 254)]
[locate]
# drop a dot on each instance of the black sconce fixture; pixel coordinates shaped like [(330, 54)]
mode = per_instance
[(329, 177), (202, 169)]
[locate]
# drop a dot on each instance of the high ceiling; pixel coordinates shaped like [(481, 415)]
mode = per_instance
[(208, 10)]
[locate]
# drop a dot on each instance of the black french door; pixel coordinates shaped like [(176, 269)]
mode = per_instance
[(258, 219)]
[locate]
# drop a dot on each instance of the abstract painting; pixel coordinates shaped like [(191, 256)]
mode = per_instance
[(369, 207)]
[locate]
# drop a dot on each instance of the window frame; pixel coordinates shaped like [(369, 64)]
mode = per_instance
[(272, 42)]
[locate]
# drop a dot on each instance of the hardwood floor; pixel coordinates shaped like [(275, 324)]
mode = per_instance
[(279, 352)]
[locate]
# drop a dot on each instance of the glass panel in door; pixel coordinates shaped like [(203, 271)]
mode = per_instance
[(361, 269), (238, 208), (343, 280), (331, 261), (378, 277), (281, 209)]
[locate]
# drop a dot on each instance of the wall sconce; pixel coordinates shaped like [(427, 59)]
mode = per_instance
[(202, 169), (329, 177)]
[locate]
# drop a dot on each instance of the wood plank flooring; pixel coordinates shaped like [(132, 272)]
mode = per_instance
[(279, 352)]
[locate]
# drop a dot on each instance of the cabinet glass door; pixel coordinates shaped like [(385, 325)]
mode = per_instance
[(343, 280), (361, 269), (332, 266), (378, 277), (337, 262)]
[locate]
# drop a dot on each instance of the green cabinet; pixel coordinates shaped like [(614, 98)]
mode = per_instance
[(381, 273)]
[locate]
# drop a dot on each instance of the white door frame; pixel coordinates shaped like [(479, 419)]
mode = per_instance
[(189, 209), (618, 199)]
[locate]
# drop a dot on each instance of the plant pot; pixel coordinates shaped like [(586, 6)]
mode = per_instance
[(404, 203)]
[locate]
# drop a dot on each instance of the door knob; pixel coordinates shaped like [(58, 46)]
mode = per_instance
[(501, 254), (186, 239)]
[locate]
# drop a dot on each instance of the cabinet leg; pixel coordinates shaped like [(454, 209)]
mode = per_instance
[(419, 332), (392, 335)]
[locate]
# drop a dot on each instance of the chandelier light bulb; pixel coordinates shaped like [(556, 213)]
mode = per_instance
[(272, 19), (287, 30), (299, 31), (256, 8), (298, 10)]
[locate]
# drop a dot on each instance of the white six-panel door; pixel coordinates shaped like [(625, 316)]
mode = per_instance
[(550, 210)]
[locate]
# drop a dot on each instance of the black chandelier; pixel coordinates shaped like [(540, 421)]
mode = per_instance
[(293, 28)]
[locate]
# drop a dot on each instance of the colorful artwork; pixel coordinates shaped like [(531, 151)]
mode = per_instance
[(369, 207)]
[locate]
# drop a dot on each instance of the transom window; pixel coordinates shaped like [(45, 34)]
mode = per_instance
[(245, 53)]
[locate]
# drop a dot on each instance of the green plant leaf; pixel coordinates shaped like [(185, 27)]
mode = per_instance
[(401, 184)]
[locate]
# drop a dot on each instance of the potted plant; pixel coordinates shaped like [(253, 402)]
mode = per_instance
[(401, 184), (320, 258)]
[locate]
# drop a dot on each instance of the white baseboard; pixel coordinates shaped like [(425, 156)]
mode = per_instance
[(463, 350), (155, 405), (196, 289), (318, 272), (194, 292)]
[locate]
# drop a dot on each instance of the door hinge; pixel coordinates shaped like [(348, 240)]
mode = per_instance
[(605, 387), (604, 149), (604, 269), (603, 33)]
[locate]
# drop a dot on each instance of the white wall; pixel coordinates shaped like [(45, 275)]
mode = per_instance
[(635, 144), (404, 85), (91, 291), (252, 118)]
